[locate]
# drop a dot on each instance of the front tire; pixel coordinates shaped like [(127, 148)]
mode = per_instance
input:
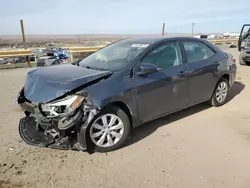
[(109, 130), (220, 94)]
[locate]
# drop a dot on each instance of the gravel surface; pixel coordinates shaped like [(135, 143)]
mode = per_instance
[(198, 147)]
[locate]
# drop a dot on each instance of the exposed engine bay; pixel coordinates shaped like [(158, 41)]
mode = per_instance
[(60, 124)]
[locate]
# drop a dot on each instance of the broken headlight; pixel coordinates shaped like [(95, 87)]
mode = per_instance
[(60, 107)]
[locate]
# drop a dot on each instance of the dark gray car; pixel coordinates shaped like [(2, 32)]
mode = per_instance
[(93, 104)]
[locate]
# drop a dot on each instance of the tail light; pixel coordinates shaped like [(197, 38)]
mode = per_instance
[(233, 59)]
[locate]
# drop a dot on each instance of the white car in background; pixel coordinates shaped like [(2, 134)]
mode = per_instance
[(3, 61)]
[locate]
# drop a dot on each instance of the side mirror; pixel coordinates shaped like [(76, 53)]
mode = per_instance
[(147, 68)]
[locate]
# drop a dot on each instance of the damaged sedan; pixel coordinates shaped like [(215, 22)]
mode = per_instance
[(92, 104)]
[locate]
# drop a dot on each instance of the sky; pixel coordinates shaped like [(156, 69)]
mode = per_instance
[(122, 16)]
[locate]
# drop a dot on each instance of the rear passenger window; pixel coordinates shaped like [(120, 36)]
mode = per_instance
[(197, 51)]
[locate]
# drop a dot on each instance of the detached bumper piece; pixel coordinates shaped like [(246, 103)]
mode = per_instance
[(32, 135)]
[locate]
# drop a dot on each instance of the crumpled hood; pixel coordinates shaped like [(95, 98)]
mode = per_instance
[(48, 83)]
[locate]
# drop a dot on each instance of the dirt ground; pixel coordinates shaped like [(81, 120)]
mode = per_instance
[(198, 147)]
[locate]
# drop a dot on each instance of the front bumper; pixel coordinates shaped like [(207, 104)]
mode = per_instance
[(66, 132), (245, 54), (32, 135)]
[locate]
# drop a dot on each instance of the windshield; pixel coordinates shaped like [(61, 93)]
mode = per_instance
[(113, 57)]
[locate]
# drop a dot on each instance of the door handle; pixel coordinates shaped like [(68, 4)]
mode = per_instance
[(183, 74)]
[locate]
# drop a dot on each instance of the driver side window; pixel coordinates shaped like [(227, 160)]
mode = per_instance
[(165, 56)]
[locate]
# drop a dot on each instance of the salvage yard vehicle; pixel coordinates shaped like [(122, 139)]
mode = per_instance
[(48, 61), (94, 103), (244, 45), (3, 61), (53, 56), (16, 60), (245, 52)]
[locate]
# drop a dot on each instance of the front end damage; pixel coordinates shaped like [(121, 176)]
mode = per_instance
[(58, 130)]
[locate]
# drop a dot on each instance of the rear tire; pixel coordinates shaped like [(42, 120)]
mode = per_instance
[(220, 94), (106, 137)]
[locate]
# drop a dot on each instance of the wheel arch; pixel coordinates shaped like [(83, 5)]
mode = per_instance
[(83, 138), (124, 107), (224, 75)]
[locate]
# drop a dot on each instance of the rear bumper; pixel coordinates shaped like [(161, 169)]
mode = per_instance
[(233, 72)]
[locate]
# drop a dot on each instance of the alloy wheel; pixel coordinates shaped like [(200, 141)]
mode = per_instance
[(107, 130), (221, 92)]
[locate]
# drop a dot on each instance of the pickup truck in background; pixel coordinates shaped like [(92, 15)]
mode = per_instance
[(244, 45)]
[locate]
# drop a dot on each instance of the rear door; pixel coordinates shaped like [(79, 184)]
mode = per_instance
[(202, 69)]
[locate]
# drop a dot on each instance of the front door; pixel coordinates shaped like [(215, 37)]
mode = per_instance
[(166, 90)]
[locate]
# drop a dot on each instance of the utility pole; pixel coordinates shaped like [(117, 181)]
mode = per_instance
[(24, 42), (193, 29), (163, 29)]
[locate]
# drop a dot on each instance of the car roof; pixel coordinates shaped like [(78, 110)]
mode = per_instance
[(151, 40)]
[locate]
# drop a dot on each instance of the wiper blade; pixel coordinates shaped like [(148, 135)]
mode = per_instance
[(102, 69), (95, 68), (88, 67), (77, 62)]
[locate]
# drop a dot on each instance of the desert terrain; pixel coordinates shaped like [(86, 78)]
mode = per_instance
[(198, 147)]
